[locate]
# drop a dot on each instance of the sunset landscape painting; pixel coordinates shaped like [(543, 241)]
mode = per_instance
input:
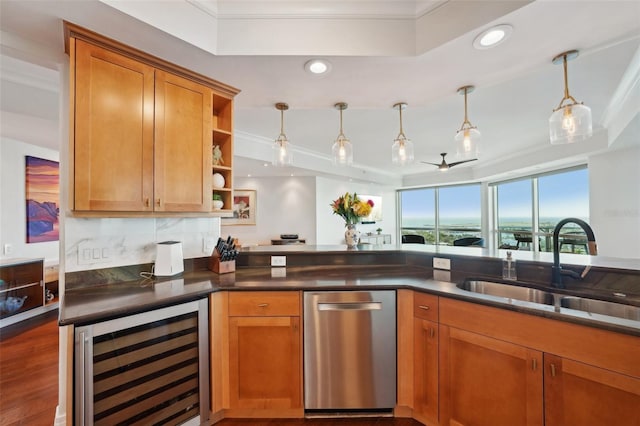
[(42, 196)]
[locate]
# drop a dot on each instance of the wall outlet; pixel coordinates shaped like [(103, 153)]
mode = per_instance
[(89, 253), (441, 275), (8, 249), (208, 244), (278, 260), (278, 272), (440, 263)]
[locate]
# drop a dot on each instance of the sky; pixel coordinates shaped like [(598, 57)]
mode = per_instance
[(42, 180), (560, 195)]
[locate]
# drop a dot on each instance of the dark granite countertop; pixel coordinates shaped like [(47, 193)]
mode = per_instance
[(97, 303)]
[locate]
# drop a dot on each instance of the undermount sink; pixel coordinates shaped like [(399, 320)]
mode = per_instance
[(509, 291), (527, 294), (602, 307)]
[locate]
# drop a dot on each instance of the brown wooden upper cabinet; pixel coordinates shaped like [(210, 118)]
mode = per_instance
[(143, 131)]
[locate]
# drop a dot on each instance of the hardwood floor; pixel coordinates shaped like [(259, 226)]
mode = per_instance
[(381, 421), (29, 371), (29, 381)]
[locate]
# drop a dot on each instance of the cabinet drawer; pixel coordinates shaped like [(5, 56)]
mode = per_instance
[(264, 303), (425, 306)]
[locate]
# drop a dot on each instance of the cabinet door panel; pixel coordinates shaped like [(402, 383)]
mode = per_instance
[(425, 369), (113, 147), (581, 394), (488, 381), (183, 145), (264, 362)]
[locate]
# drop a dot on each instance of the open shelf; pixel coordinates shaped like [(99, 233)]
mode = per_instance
[(222, 149)]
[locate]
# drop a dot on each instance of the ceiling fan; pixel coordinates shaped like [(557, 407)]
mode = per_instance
[(444, 166)]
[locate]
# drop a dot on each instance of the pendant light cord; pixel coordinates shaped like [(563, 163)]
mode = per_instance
[(466, 117), (282, 123), (401, 131), (567, 96), (341, 135)]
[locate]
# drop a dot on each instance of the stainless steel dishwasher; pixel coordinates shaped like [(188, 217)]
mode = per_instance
[(349, 351)]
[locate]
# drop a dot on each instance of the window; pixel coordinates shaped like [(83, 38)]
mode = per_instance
[(455, 221), (459, 214), (514, 214), (529, 209), (418, 207), (560, 196)]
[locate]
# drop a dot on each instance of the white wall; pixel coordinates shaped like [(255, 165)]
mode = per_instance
[(614, 210), (330, 227), (285, 205), (301, 205), (12, 201)]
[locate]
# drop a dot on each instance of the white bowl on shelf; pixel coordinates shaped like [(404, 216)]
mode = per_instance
[(217, 204), (218, 180)]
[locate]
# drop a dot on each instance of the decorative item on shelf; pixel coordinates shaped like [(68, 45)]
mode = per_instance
[(217, 202), (218, 180), (402, 148), (282, 152), (218, 160), (352, 209), (342, 149), (570, 122), (468, 137), (223, 258), (379, 231), (12, 304)]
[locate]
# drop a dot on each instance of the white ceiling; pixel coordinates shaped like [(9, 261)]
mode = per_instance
[(382, 52)]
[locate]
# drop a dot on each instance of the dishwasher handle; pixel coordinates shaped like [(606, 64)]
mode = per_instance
[(350, 306)]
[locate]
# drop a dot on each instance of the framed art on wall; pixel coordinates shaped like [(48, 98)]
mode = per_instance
[(42, 190), (244, 208)]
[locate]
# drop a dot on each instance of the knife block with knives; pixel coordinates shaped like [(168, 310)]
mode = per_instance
[(223, 258)]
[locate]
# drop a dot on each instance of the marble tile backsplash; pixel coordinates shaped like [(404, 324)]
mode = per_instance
[(96, 243)]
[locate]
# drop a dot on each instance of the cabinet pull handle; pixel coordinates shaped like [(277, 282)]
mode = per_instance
[(432, 332), (534, 364), (146, 202), (85, 371), (158, 202), (553, 370), (425, 307), (263, 305)]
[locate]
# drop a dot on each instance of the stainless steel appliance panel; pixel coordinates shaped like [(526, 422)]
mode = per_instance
[(350, 350)]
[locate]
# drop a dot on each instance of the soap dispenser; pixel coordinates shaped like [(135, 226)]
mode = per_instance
[(509, 268)]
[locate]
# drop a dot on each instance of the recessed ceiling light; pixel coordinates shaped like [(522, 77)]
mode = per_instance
[(265, 164), (317, 66), (492, 36)]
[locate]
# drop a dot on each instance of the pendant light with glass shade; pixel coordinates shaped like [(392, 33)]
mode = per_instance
[(402, 148), (570, 122), (342, 149), (468, 137), (282, 152)]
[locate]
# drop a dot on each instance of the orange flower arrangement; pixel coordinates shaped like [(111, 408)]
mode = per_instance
[(351, 208)]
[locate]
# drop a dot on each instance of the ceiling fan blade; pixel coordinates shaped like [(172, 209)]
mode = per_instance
[(461, 162), (433, 164)]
